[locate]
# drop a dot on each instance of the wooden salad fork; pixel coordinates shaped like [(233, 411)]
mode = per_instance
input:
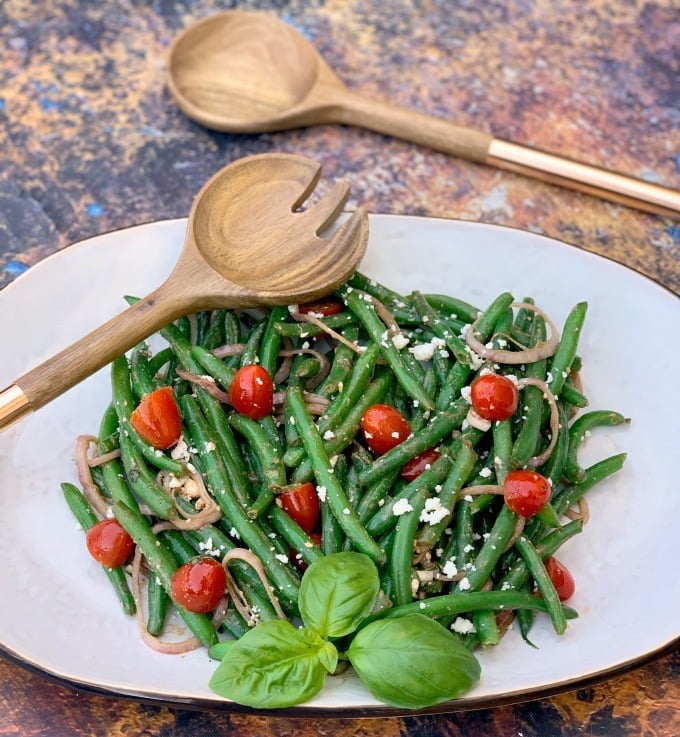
[(248, 243)]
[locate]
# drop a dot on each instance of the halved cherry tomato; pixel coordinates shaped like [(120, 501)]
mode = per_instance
[(526, 492), (324, 307), (108, 543), (297, 558), (561, 578), (384, 427), (199, 585), (252, 391), (156, 418), (494, 397), (420, 463), (302, 504)]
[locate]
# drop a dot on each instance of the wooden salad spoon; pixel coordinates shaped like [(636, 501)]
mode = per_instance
[(248, 72), (247, 244)]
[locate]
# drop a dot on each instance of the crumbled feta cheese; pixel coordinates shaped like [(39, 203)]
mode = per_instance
[(464, 584), (425, 351), (434, 511), (449, 569), (400, 341), (283, 558), (328, 435), (321, 492), (401, 506), (463, 626), (485, 472)]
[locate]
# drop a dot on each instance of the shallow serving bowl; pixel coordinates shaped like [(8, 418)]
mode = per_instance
[(59, 615)]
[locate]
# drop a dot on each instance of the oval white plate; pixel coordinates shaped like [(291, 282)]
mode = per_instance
[(59, 615)]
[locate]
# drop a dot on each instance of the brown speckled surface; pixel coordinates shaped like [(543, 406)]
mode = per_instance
[(90, 141)]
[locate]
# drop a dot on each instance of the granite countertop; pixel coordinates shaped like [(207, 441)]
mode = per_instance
[(90, 141)]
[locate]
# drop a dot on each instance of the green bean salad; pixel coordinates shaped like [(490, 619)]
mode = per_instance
[(375, 480)]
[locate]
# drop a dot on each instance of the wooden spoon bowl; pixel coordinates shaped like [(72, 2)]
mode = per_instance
[(247, 244)]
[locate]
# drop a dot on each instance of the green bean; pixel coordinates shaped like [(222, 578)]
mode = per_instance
[(453, 306), (273, 472), (373, 495), (429, 316), (449, 605), (579, 430), (401, 558), (491, 551), (251, 348), (592, 475), (439, 427), (157, 605), (143, 483), (286, 582), (531, 402), (163, 564), (486, 627), (351, 391), (572, 395), (554, 466), (332, 536), (502, 449), (385, 517), (366, 313), (456, 478), (545, 585), (518, 573), (309, 330), (343, 360), (214, 334), (560, 365), (294, 535), (381, 292), (157, 361), (140, 373), (86, 518), (232, 328), (271, 339), (335, 495), (344, 433), (215, 366)]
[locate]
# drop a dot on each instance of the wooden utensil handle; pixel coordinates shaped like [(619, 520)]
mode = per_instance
[(410, 125), (60, 373), (474, 145)]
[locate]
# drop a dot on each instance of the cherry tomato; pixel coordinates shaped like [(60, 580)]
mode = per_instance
[(384, 427), (156, 418), (526, 492), (494, 397), (252, 392), (297, 559), (199, 585), (417, 465), (302, 504), (324, 307), (109, 543), (561, 578)]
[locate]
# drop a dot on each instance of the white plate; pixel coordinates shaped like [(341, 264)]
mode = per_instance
[(59, 615)]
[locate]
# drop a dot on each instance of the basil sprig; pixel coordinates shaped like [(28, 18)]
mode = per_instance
[(409, 662)]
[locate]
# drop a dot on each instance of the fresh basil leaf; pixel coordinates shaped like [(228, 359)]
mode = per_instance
[(412, 662), (337, 593), (273, 666), (328, 655)]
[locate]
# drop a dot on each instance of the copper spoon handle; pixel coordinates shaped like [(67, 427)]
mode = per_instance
[(456, 140)]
